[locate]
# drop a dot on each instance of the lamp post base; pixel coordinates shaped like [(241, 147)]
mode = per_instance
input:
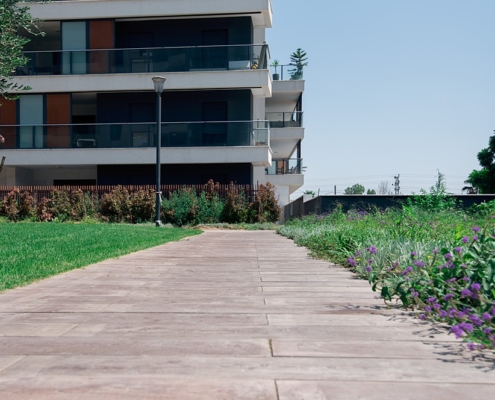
[(158, 223)]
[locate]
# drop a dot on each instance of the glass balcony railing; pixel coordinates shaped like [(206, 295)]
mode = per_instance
[(164, 59), (285, 166), (285, 119), (130, 135)]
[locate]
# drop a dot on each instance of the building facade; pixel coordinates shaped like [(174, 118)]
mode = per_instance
[(90, 117)]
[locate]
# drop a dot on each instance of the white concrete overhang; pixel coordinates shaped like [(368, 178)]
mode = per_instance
[(285, 95), (257, 80), (293, 181), (283, 141), (259, 10), (260, 156)]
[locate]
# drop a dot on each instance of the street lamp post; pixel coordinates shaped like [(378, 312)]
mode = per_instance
[(158, 82)]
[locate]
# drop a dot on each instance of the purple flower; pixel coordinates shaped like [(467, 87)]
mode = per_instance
[(460, 315), (457, 331), (395, 264), (486, 317), (465, 239), (466, 279), (415, 294), (428, 309), (437, 306), (475, 320), (471, 346), (476, 229), (465, 293), (371, 249), (435, 251), (419, 264), (452, 312), (442, 313), (413, 254), (475, 238), (476, 287), (358, 253), (431, 299), (422, 316), (448, 297), (466, 327), (487, 331), (448, 256), (493, 311), (370, 261), (458, 249), (368, 269), (408, 270)]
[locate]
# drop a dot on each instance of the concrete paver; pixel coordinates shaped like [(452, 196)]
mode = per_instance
[(224, 315)]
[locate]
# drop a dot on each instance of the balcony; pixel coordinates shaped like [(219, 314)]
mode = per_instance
[(285, 119), (286, 166), (141, 135), (146, 60)]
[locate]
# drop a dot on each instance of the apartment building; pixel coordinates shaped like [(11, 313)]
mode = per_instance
[(90, 117)]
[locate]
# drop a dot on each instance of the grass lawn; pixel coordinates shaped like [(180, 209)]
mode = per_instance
[(33, 251)]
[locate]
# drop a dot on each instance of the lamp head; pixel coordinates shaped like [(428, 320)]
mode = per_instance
[(158, 82)]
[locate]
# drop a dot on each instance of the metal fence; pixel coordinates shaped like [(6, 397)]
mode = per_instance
[(38, 192)]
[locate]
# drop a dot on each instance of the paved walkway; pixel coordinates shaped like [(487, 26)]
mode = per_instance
[(224, 315)]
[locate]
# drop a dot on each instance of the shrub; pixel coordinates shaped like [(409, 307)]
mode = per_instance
[(77, 205), (265, 206), (182, 207), (209, 209), (43, 210), (91, 204), (235, 207), (10, 206), (143, 205), (60, 205), (27, 205), (116, 206)]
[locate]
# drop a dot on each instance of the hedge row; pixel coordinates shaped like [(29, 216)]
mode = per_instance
[(184, 207)]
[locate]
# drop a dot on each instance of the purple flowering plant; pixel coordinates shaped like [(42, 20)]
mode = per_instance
[(454, 285)]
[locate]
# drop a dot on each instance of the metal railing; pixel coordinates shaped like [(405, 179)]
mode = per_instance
[(285, 73), (131, 135), (285, 166), (142, 60), (285, 119)]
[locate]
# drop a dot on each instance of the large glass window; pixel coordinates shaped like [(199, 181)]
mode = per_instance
[(31, 116), (74, 38)]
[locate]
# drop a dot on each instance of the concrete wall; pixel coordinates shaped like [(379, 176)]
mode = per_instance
[(323, 204)]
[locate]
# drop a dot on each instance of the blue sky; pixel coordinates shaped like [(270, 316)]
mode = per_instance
[(392, 87)]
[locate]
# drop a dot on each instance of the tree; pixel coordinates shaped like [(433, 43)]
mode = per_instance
[(13, 18), (371, 191), (483, 180), (384, 188), (355, 189)]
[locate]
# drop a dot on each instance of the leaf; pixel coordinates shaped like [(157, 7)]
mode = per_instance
[(386, 293)]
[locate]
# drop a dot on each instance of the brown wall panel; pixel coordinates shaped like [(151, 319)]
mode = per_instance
[(101, 36), (58, 112), (8, 117)]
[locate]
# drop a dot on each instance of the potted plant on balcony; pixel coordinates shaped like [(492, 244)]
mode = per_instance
[(298, 60), (275, 64)]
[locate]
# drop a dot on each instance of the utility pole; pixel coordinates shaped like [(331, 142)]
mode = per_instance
[(397, 184)]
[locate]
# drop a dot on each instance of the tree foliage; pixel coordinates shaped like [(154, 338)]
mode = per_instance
[(13, 18), (483, 180), (371, 191), (355, 189)]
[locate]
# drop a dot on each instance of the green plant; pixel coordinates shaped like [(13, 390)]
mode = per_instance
[(27, 206), (235, 206), (275, 64), (10, 206), (142, 205), (182, 207), (437, 199), (60, 205), (265, 206), (43, 210), (298, 60), (116, 206)]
